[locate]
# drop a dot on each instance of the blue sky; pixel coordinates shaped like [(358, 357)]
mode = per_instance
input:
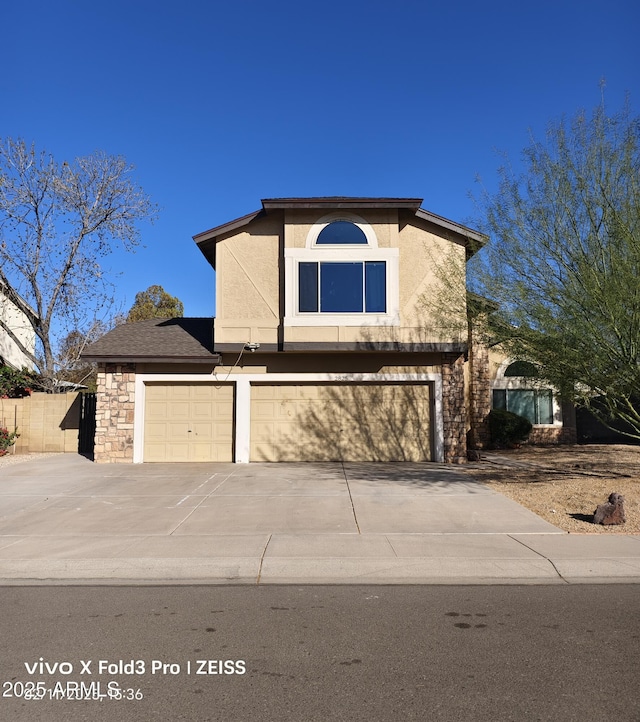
[(221, 104)]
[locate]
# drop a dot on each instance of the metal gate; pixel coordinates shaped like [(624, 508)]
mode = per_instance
[(87, 430)]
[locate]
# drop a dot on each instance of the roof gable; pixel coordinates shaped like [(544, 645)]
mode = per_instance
[(207, 240)]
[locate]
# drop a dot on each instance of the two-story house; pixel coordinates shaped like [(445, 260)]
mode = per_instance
[(328, 344)]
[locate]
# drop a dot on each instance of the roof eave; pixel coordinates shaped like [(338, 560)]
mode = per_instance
[(206, 241), (123, 358), (474, 240), (341, 202), (213, 233)]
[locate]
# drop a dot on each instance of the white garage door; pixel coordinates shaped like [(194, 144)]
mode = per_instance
[(188, 422), (334, 422)]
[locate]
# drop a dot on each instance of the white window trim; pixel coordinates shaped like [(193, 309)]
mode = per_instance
[(294, 256), (340, 253)]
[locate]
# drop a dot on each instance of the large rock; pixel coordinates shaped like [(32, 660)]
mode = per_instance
[(612, 512)]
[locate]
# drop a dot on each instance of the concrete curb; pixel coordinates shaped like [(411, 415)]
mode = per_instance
[(574, 561)]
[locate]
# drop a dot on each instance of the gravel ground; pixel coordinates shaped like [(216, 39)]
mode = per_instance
[(565, 484), (21, 458)]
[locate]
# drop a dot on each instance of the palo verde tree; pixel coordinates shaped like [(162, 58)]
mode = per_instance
[(155, 302), (58, 221), (563, 262)]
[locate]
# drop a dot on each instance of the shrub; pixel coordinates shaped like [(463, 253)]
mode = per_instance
[(7, 439), (508, 429), (15, 384)]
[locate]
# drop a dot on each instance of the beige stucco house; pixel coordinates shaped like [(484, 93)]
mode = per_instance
[(328, 344)]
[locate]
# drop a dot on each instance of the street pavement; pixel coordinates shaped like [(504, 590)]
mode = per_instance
[(373, 653), (65, 519)]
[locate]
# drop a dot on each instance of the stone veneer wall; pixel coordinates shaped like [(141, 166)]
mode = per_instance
[(549, 436), (479, 396), (565, 434), (114, 413), (454, 416)]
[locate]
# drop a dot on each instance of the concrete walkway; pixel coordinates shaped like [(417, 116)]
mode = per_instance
[(64, 519)]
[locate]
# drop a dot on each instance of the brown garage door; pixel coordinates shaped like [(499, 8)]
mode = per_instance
[(333, 422), (188, 422)]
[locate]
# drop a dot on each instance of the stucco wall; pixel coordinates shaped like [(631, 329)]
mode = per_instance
[(247, 284), (251, 281), (432, 285), (16, 321)]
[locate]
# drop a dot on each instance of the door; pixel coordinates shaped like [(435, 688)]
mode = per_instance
[(341, 422), (188, 422)]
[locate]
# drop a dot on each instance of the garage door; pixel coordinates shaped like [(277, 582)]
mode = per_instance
[(333, 422), (188, 422)]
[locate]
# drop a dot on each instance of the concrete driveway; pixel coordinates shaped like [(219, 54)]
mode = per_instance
[(63, 517)]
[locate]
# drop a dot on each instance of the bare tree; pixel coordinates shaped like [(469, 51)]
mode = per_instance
[(71, 368), (57, 223)]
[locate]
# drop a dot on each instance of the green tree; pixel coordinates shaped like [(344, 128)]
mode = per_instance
[(58, 221), (155, 302), (563, 262)]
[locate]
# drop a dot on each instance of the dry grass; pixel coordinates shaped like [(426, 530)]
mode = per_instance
[(564, 484)]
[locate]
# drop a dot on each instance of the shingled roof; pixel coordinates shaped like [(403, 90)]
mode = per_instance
[(165, 340)]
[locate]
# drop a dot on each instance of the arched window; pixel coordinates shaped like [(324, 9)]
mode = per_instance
[(521, 368), (341, 230), (341, 276), (339, 233)]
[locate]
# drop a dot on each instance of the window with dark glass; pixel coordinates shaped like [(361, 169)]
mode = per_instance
[(339, 233), (375, 286), (308, 287), (342, 287), (536, 405), (521, 368)]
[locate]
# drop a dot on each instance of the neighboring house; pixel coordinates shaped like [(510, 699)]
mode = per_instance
[(10, 352), (328, 345), (515, 388)]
